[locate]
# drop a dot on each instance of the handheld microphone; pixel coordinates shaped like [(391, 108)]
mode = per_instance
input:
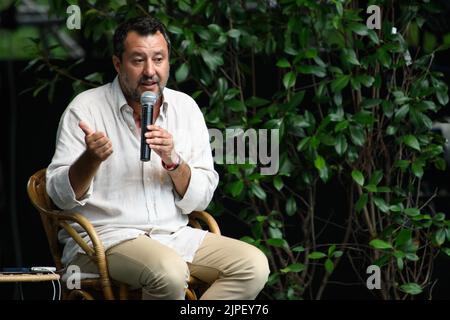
[(148, 100)]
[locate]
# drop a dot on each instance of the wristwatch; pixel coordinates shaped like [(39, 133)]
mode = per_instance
[(173, 166)]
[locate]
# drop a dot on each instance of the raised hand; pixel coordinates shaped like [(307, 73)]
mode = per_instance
[(98, 145)]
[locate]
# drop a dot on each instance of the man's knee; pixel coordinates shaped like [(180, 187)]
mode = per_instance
[(260, 268), (167, 279)]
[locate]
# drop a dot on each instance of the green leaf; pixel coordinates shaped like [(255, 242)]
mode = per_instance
[(341, 144), (340, 83), (289, 79), (236, 105), (362, 202), (412, 142), (331, 249), (256, 102), (258, 191), (316, 255), (298, 249), (364, 118), (403, 237), (442, 97), (295, 267), (349, 55), (248, 239), (380, 244), (95, 77), (358, 177), (384, 189), (400, 97), (371, 188), (291, 206), (174, 29), (381, 204), (283, 63), (329, 266), (341, 126), (373, 37), (376, 177), (278, 183), (446, 251), (182, 72), (359, 28), (412, 212), (417, 168), (411, 288), (370, 103), (357, 135), (384, 57), (400, 263), (279, 243), (366, 80), (212, 60), (319, 163), (439, 237), (234, 33), (318, 71), (412, 257), (237, 187)]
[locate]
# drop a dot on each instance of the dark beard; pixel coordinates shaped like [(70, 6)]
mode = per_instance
[(133, 93)]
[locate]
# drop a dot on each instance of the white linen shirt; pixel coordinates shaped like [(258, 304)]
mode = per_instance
[(128, 197)]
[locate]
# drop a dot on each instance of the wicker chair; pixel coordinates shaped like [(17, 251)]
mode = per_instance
[(103, 286)]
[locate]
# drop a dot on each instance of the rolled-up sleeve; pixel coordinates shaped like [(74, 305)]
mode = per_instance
[(69, 146), (204, 178)]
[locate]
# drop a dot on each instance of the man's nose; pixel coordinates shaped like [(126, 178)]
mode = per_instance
[(149, 69)]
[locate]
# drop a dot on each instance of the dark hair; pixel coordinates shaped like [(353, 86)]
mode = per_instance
[(144, 26)]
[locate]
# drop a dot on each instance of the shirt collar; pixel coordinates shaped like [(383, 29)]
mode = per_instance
[(118, 97), (120, 101)]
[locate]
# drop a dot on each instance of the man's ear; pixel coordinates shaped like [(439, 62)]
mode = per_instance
[(116, 62)]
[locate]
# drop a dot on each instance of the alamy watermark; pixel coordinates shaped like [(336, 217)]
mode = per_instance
[(74, 19), (73, 281), (374, 21), (374, 280), (252, 146)]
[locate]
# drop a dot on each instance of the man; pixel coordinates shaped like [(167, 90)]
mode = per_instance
[(139, 209)]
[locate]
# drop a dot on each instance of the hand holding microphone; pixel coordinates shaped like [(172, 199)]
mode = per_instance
[(148, 100)]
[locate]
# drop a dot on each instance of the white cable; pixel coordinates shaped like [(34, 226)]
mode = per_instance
[(52, 270), (59, 287), (54, 290)]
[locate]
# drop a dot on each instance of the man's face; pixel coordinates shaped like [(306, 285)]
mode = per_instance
[(144, 65)]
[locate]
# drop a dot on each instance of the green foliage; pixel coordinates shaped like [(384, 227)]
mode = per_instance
[(351, 109)]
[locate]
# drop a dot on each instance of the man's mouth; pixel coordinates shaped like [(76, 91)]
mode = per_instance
[(148, 84)]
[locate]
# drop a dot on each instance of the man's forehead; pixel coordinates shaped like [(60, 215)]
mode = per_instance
[(135, 42)]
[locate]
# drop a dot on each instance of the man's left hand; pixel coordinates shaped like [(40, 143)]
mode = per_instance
[(161, 141)]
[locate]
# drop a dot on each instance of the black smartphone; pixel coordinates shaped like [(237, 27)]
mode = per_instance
[(11, 270)]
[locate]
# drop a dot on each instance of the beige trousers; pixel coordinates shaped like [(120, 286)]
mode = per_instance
[(233, 268)]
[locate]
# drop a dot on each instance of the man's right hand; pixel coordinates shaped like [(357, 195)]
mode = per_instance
[(98, 145)]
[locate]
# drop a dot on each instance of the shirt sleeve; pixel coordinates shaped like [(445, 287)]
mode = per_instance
[(70, 145), (204, 178)]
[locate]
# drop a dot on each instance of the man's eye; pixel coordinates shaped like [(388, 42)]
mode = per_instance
[(158, 60), (138, 60)]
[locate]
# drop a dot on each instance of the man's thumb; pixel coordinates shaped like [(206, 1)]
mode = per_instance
[(85, 127)]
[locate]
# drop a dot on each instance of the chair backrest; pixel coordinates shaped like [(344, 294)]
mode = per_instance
[(47, 210)]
